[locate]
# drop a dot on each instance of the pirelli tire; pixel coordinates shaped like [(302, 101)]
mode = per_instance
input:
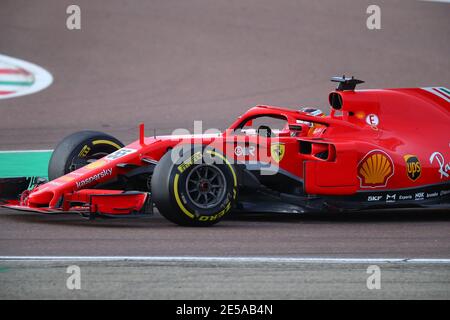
[(79, 149), (198, 190)]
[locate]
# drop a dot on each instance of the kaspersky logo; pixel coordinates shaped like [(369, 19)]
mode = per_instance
[(375, 169), (413, 167), (98, 176)]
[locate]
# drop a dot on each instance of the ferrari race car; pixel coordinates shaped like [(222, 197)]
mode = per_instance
[(386, 148)]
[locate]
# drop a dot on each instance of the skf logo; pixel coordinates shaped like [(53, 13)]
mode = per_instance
[(277, 151), (413, 167), (374, 198), (375, 169)]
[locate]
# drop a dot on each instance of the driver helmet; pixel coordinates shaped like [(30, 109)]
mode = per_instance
[(316, 113), (313, 111)]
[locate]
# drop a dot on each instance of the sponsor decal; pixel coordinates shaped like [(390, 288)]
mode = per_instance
[(190, 161), (309, 124), (441, 92), (95, 177), (319, 130), (19, 77), (120, 153), (391, 197), (374, 198), (96, 164), (65, 178), (84, 152), (432, 195), (444, 192), (277, 151), (444, 167), (360, 115), (407, 197), (375, 169), (419, 196), (76, 173), (413, 167), (244, 151), (372, 120)]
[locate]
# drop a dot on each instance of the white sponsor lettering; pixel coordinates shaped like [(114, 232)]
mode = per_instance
[(372, 120), (419, 196), (391, 198), (374, 198), (98, 176), (244, 151), (120, 153), (444, 168)]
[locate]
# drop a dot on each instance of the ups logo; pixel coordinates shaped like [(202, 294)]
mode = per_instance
[(413, 167)]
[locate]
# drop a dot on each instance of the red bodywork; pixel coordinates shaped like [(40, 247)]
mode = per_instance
[(391, 139)]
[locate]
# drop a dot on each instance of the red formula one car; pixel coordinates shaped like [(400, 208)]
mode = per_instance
[(385, 148)]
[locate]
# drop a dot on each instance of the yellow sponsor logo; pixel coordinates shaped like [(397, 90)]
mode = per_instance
[(84, 152), (115, 145), (217, 215), (413, 167), (375, 169), (189, 162), (96, 164), (65, 178), (277, 150)]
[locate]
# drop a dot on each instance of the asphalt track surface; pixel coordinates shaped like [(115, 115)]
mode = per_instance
[(168, 63)]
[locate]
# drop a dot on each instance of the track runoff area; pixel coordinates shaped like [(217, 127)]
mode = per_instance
[(221, 278)]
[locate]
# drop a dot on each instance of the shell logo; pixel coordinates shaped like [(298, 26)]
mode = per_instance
[(375, 169)]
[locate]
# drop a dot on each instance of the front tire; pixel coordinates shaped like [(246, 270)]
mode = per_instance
[(78, 150), (198, 190)]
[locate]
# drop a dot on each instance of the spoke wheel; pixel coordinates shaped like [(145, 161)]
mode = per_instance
[(206, 186)]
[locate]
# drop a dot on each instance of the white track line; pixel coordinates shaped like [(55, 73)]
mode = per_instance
[(444, 1), (223, 259)]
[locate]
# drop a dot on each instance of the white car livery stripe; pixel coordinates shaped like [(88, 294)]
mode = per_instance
[(441, 92)]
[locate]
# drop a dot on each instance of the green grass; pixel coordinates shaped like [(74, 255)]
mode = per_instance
[(24, 164)]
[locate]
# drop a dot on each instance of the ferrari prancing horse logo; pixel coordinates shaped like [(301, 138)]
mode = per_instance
[(277, 151)]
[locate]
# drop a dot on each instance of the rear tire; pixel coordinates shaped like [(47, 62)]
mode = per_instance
[(79, 149), (199, 190)]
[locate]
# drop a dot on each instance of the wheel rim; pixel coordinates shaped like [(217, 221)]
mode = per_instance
[(206, 186)]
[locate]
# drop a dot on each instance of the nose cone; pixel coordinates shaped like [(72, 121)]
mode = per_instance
[(40, 198)]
